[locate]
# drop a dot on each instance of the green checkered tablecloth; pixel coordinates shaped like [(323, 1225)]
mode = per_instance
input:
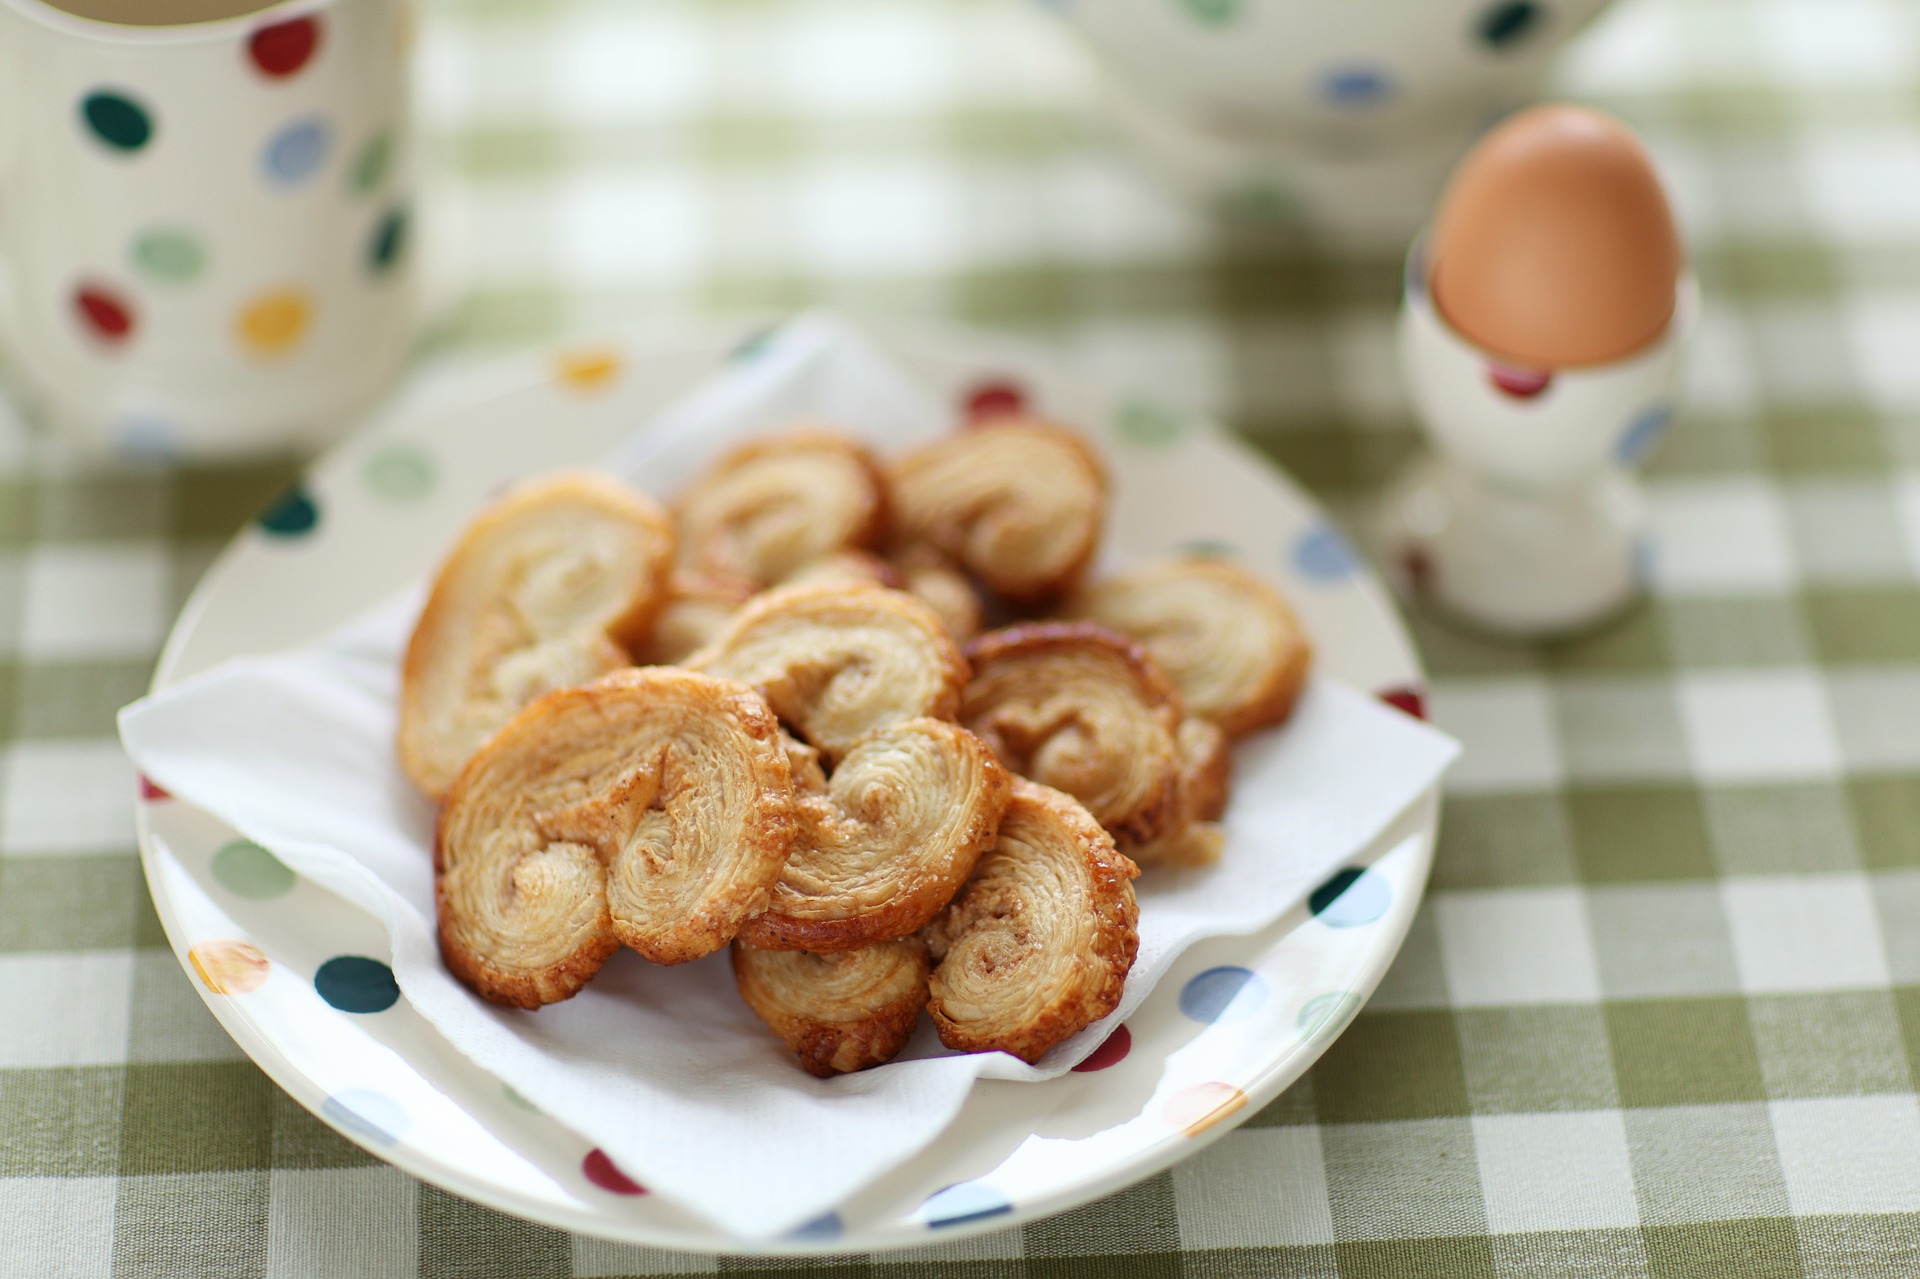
[(1661, 1014)]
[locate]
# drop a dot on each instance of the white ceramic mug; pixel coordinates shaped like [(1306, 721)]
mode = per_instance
[(1327, 112), (205, 228)]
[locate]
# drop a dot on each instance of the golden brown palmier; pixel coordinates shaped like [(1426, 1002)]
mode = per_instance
[(839, 1012), (935, 578), (886, 843), (1224, 636), (541, 592), (1038, 944), (839, 661), (847, 568), (1206, 767), (1083, 709), (773, 505), (652, 808), (1018, 503), (697, 609)]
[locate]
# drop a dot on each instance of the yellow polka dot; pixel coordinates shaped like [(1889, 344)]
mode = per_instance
[(588, 368), (1196, 1109), (229, 967), (274, 322)]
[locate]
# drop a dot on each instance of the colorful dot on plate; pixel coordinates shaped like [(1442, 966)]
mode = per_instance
[(1267, 199), (1212, 13), (272, 323), (247, 870), (171, 254), (513, 1095), (357, 984), (145, 437), (389, 241), (103, 312), (1223, 994), (1326, 1010), (372, 1115), (292, 514), (296, 152), (117, 120), (229, 967), (1350, 898), (1506, 25), (753, 345), (1147, 424), (997, 398), (591, 368), (283, 48), (828, 1226), (1356, 86), (1208, 549), (151, 792), (1194, 1110), (967, 1201), (400, 473), (1645, 559), (1324, 555), (369, 168), (1640, 438), (599, 1170), (1111, 1052), (1407, 698)]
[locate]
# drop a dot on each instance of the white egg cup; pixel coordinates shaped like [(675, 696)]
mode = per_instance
[(1527, 519)]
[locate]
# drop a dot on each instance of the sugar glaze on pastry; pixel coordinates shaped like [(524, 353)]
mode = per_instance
[(839, 1012)]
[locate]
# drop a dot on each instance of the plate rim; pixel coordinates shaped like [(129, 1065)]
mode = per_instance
[(457, 386)]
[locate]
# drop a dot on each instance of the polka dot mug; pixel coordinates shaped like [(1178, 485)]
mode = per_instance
[(1347, 115), (205, 227)]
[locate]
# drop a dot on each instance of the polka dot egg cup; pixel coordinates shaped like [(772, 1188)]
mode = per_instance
[(1346, 116), (301, 979), (212, 253)]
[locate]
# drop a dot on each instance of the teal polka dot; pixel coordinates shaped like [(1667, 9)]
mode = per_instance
[(388, 243), (1149, 425), (369, 1114), (357, 984), (1350, 898), (247, 870), (400, 473), (968, 1201), (117, 120), (169, 254), (369, 168), (1333, 1010), (293, 514)]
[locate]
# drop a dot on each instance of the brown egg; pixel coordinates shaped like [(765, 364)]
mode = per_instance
[(1554, 246)]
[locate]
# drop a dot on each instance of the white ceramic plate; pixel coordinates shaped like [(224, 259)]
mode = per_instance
[(1235, 1022)]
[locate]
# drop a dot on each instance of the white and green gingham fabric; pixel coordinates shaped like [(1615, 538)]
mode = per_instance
[(1661, 1015)]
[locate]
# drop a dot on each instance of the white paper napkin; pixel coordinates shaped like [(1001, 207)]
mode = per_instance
[(665, 1068)]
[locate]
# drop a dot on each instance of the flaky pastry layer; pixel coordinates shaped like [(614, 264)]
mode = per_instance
[(840, 1012), (771, 506)]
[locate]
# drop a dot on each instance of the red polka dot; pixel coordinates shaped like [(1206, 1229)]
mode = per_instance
[(600, 1171), (1521, 384), (1418, 566), (149, 791), (995, 399), (1408, 699), (1111, 1053), (285, 47), (105, 314)]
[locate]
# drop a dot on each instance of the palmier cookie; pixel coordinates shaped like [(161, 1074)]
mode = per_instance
[(697, 609), (839, 1012), (838, 661), (1038, 944), (1018, 503), (771, 506), (1080, 708), (1224, 636), (541, 592), (652, 808), (885, 843), (1206, 768)]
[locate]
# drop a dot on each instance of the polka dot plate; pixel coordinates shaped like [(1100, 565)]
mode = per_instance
[(300, 978)]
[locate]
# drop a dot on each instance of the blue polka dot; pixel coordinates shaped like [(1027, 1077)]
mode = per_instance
[(967, 1201), (1352, 897), (1333, 1010), (1644, 557), (1639, 439), (372, 1115), (1223, 994), (297, 152), (356, 984), (1356, 86), (1323, 554), (146, 437), (292, 514), (828, 1227)]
